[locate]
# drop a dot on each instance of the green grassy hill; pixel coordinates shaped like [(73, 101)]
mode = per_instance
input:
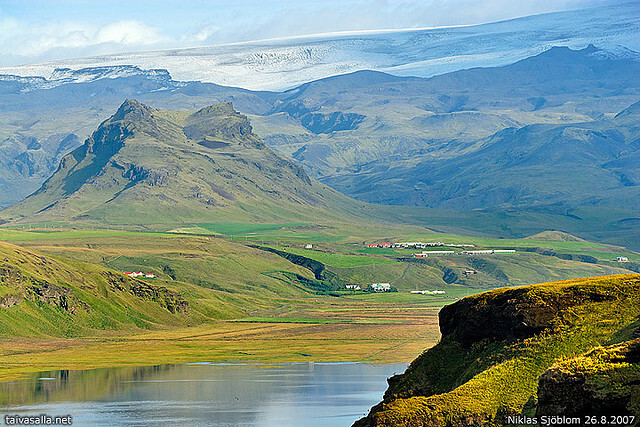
[(44, 297), (495, 345)]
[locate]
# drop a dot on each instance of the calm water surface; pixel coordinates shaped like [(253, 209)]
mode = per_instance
[(296, 394)]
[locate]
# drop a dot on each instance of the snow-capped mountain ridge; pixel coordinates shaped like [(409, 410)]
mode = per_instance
[(61, 76), (285, 63)]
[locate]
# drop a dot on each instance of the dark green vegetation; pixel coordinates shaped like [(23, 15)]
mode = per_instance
[(549, 142), (495, 345)]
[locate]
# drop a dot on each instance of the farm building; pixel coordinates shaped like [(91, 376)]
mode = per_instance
[(381, 287), (135, 274), (488, 252), (425, 254)]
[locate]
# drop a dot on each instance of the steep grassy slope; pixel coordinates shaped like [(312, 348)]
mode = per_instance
[(43, 297), (495, 345), (145, 166)]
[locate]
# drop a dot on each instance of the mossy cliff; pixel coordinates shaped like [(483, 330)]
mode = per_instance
[(43, 297), (497, 348)]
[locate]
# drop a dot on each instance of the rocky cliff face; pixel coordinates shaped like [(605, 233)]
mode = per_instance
[(514, 313)]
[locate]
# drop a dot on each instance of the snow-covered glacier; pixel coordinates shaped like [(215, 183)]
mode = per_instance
[(285, 63)]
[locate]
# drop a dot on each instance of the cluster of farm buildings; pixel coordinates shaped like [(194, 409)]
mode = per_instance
[(375, 287), (140, 274), (436, 292), (417, 245), (425, 254), (386, 287)]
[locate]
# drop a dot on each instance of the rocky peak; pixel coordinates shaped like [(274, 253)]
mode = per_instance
[(220, 121), (221, 109), (132, 110)]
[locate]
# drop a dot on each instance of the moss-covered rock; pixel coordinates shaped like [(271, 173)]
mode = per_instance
[(497, 344), (605, 381)]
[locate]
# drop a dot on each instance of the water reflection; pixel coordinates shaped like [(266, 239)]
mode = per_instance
[(309, 394)]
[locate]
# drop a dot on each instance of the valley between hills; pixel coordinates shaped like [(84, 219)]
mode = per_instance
[(248, 259)]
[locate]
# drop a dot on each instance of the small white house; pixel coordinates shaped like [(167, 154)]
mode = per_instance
[(308, 246), (135, 274), (353, 287), (622, 259)]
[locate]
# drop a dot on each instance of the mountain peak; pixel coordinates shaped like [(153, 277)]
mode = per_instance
[(132, 109), (144, 165), (220, 109), (220, 121)]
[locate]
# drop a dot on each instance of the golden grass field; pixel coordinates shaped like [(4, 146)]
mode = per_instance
[(360, 337)]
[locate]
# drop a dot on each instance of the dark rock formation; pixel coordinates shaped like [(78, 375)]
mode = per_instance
[(512, 314), (168, 299)]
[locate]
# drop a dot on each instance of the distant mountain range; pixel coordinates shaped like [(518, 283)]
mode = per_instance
[(286, 63), (550, 139)]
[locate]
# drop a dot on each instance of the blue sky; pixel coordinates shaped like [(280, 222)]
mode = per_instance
[(40, 30)]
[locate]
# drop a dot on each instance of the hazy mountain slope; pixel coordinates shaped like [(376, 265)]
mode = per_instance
[(586, 164), (444, 116), (145, 166), (285, 63), (44, 119)]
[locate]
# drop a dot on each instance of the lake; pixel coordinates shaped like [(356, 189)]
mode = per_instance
[(204, 394)]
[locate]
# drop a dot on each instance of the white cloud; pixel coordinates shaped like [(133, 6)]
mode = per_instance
[(201, 34), (129, 33), (24, 40)]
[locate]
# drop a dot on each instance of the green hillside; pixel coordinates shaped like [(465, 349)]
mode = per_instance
[(495, 345), (44, 297)]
